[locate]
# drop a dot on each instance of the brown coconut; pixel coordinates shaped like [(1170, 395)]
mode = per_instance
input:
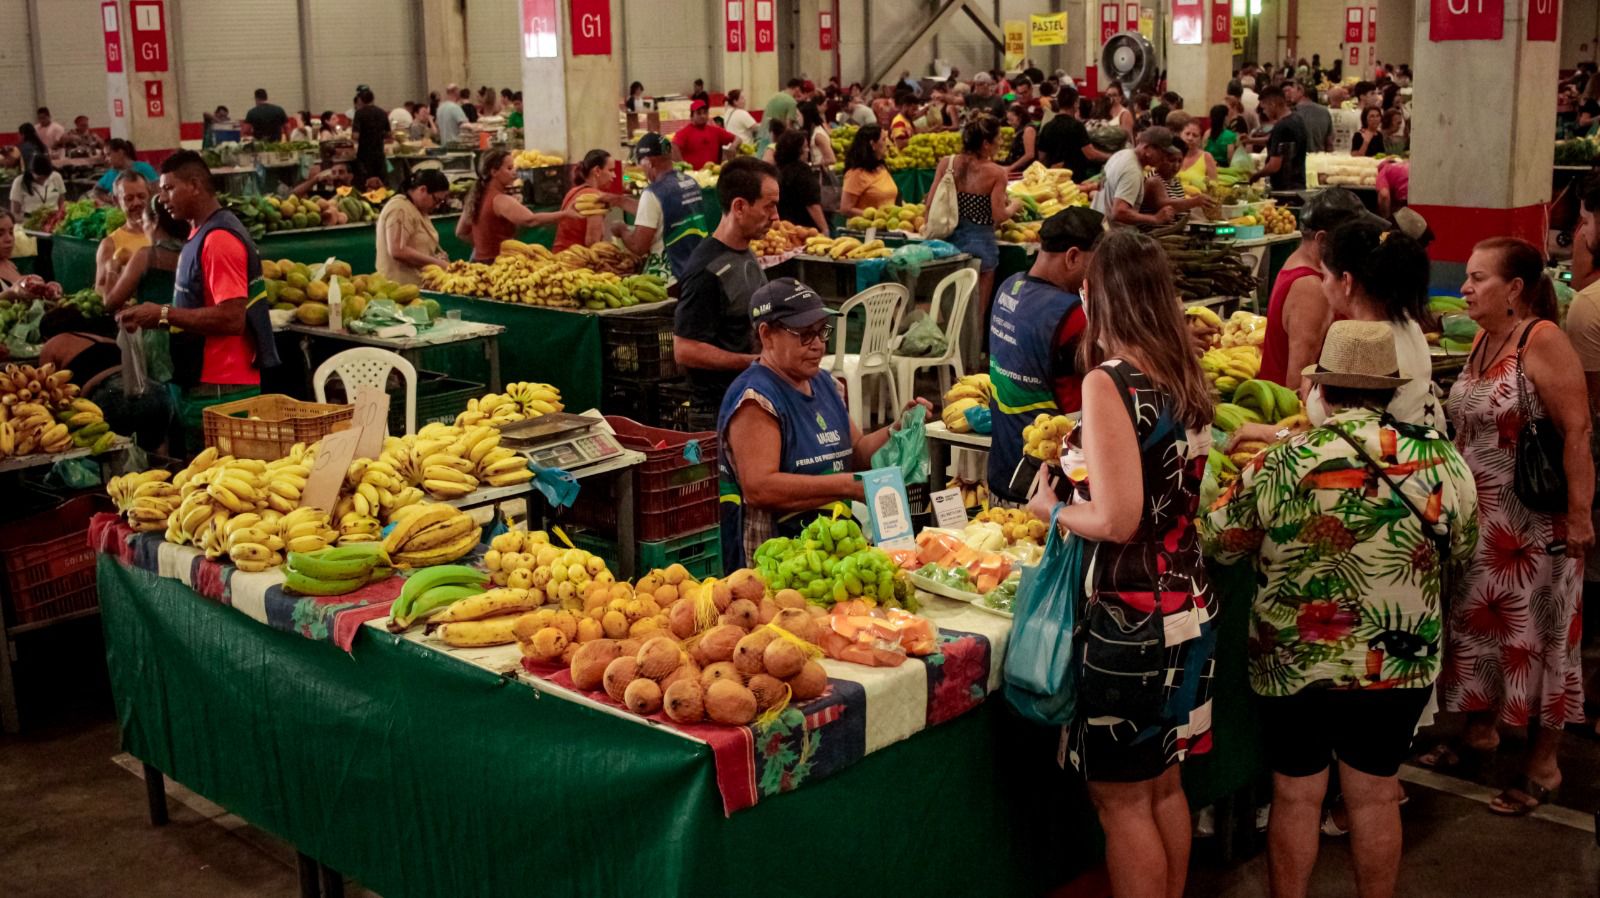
[(718, 643), (629, 646), (809, 683), (749, 654), (722, 595), (767, 689), (619, 673), (747, 584), (730, 703), (615, 624), (589, 663), (686, 670), (789, 598), (642, 696), (658, 657), (743, 614), (681, 620), (685, 701), (798, 622), (766, 610), (722, 670), (783, 659)]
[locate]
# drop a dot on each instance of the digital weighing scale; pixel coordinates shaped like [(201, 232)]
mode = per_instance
[(561, 440)]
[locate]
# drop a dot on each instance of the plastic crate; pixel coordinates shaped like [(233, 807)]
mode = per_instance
[(267, 427), (700, 553), (545, 186), (638, 347), (681, 410), (49, 566), (595, 544), (440, 398), (672, 495)]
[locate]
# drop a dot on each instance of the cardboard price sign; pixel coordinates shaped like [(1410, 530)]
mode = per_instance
[(334, 455), (1466, 20), (371, 420)]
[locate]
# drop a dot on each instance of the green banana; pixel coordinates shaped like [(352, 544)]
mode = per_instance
[(350, 562), (430, 601), (403, 612), (295, 581), (1288, 402)]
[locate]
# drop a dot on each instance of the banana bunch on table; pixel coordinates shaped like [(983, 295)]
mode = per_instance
[(846, 248), (430, 533)]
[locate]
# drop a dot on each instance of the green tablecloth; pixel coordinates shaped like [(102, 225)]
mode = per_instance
[(421, 776), (551, 346), (915, 183)]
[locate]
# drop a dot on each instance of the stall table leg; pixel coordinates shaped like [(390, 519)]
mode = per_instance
[(491, 351), (155, 794), (627, 545), (332, 882), (309, 872), (939, 464)]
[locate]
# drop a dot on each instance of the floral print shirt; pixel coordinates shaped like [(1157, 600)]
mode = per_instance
[(1349, 594)]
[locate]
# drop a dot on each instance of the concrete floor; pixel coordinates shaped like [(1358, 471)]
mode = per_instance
[(73, 819)]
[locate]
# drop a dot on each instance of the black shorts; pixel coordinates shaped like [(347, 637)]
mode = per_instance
[(1368, 729)]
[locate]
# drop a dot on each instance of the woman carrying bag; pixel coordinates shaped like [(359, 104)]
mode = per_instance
[(1145, 637)]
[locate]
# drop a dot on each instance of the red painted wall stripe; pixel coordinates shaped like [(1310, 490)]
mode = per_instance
[(1457, 229)]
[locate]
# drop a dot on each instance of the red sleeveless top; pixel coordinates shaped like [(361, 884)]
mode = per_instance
[(490, 229), (1275, 347)]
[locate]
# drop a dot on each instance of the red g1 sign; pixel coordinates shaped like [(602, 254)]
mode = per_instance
[(1352, 24), (765, 37), (825, 30), (591, 27), (111, 25), (154, 104), (1110, 20), (149, 35), (1542, 18), (539, 29), (1188, 18), (1372, 24), (1221, 21), (735, 25), (1466, 20), (1130, 17)]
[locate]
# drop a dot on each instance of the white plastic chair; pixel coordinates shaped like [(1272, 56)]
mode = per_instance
[(368, 366), (959, 286), (883, 304)]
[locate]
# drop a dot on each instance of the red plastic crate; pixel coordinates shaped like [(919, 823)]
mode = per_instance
[(53, 577), (672, 495)]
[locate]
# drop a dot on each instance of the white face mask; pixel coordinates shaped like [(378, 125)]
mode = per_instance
[(1316, 409)]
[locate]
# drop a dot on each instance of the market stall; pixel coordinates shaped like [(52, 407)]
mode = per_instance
[(446, 334)]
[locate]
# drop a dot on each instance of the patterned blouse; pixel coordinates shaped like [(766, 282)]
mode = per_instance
[(1350, 585)]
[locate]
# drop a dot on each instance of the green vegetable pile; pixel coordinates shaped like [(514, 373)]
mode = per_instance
[(90, 221), (831, 562), (1577, 151), (1002, 597)]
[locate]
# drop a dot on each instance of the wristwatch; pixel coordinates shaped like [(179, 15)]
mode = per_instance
[(164, 325)]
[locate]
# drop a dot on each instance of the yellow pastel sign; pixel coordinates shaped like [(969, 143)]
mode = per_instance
[(1147, 22), (1016, 42), (1241, 31), (1048, 30)]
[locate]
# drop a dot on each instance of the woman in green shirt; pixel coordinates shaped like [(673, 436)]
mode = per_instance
[(1221, 141)]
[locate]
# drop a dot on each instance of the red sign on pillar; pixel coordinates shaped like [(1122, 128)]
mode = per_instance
[(149, 20), (766, 37), (735, 25), (825, 30), (1372, 24), (154, 104), (1188, 20), (1466, 20), (539, 29), (1352, 24), (591, 27), (1221, 21), (111, 25), (1542, 18), (1110, 20), (1130, 16), (1355, 56)]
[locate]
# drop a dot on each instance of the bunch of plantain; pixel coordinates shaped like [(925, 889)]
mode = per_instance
[(336, 571), (428, 591), (846, 248), (430, 533), (519, 402)]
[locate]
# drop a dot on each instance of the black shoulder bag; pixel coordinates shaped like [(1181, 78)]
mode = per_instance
[(1539, 474)]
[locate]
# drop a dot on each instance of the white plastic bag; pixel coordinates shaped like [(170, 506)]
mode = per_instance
[(134, 381)]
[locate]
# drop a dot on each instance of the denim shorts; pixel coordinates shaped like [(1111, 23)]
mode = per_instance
[(978, 241)]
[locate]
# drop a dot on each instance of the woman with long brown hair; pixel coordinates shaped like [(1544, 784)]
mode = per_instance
[(492, 214), (1512, 653), (1144, 681)]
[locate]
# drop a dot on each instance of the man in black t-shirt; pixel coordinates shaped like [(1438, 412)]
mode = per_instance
[(1064, 141), (266, 120), (1286, 145), (371, 126), (711, 337)]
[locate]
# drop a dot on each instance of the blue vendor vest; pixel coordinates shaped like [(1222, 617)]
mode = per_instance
[(188, 350), (1022, 329), (816, 440), (683, 223)]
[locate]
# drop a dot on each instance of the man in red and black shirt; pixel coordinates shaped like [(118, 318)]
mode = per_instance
[(700, 143), (222, 336)]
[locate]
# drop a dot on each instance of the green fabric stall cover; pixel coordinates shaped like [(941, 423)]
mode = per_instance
[(711, 207), (421, 776), (914, 183), (1236, 758), (73, 261), (542, 345)]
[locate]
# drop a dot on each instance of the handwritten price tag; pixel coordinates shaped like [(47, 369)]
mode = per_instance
[(333, 459), (372, 420)]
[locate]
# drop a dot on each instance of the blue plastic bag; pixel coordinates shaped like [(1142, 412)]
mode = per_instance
[(1040, 674)]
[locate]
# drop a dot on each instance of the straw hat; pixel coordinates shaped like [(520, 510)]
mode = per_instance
[(1358, 354)]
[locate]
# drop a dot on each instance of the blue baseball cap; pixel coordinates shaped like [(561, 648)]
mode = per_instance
[(788, 302)]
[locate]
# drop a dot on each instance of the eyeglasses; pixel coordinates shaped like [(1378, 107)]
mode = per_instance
[(819, 335)]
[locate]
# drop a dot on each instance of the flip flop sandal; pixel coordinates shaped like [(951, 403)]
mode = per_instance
[(1457, 759), (1533, 795)]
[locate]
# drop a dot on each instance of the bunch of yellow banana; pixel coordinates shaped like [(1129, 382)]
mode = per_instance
[(1231, 366), (359, 528), (535, 251), (376, 488), (285, 478), (604, 257), (29, 427), (1244, 329), (459, 277), (430, 533), (146, 498), (306, 530), (1204, 324), (1042, 438), (43, 384), (590, 204), (973, 386), (520, 401), (534, 159), (845, 248), (253, 542)]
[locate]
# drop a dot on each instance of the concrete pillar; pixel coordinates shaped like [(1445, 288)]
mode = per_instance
[(1471, 181), (1199, 72), (571, 104), (1396, 30), (149, 99), (754, 73), (810, 58), (444, 43)]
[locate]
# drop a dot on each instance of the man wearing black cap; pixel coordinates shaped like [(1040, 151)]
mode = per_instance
[(669, 223), (711, 335), (1033, 341), (788, 443), (1122, 188)]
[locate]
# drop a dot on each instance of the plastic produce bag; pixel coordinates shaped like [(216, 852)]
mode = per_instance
[(74, 474), (1040, 671), (980, 419), (134, 379), (923, 339), (23, 340), (907, 448)]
